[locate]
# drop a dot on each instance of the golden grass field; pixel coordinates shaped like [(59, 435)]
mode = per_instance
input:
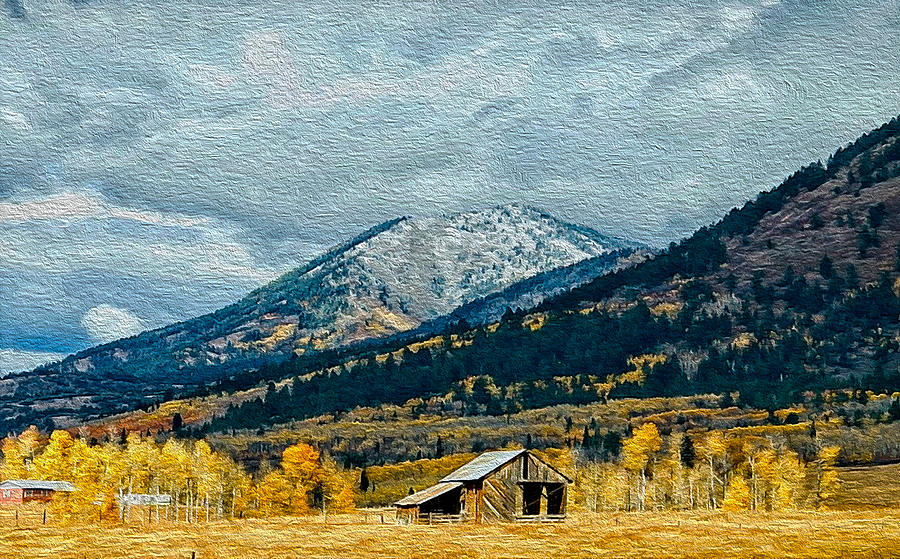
[(708, 535), (849, 532)]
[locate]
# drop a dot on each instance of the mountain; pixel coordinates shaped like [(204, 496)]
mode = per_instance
[(795, 293), (409, 272), (408, 275)]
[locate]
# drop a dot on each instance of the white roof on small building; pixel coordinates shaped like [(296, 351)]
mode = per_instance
[(37, 484)]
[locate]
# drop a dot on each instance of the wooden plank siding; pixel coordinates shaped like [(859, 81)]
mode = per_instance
[(500, 497)]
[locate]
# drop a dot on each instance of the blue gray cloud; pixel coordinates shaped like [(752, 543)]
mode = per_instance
[(157, 159)]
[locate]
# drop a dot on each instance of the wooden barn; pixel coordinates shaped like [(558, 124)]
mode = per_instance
[(18, 491), (497, 486)]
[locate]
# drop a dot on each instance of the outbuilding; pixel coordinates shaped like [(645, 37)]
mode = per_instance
[(497, 486), (18, 491)]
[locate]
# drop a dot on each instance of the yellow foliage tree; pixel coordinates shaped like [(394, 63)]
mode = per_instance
[(712, 449), (57, 460), (13, 460), (638, 451), (828, 482), (31, 441), (788, 478), (303, 469), (738, 496), (275, 494)]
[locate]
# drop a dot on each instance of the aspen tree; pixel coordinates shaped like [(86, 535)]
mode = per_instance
[(713, 451), (638, 452), (752, 450), (738, 495), (765, 470), (827, 481), (56, 460), (175, 466), (13, 459), (789, 477), (303, 470), (668, 478), (31, 442), (276, 494)]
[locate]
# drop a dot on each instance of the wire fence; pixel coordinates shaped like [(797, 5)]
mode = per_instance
[(30, 516)]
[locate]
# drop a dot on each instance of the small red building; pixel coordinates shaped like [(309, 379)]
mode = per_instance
[(18, 491)]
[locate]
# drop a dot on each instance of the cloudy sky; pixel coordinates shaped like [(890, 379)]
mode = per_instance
[(159, 159)]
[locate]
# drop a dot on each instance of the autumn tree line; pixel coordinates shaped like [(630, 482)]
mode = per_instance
[(203, 484), (711, 470)]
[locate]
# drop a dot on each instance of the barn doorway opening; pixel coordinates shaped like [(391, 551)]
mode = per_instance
[(555, 495), (531, 499)]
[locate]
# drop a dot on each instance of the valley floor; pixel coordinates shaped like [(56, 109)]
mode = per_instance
[(696, 534)]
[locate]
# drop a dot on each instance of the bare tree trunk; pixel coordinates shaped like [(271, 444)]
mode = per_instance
[(754, 504), (642, 494)]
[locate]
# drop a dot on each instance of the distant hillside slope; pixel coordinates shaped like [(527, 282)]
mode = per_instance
[(406, 275), (846, 209)]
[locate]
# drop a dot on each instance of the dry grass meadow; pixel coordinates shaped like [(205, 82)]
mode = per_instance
[(867, 526), (801, 534)]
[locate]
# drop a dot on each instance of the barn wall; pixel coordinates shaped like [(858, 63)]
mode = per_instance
[(503, 492), (470, 502)]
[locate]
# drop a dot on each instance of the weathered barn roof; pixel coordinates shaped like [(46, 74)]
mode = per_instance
[(428, 494), (483, 465), (37, 484)]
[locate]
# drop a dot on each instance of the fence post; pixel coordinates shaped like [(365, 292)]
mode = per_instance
[(17, 518), (45, 517)]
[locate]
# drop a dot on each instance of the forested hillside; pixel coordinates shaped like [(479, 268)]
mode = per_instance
[(794, 293)]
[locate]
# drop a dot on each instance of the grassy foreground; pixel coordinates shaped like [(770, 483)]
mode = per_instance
[(851, 531), (799, 534)]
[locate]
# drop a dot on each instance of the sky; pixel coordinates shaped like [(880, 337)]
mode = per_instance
[(158, 160)]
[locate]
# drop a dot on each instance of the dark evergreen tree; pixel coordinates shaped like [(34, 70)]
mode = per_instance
[(612, 445), (686, 452), (826, 268), (363, 481), (177, 422)]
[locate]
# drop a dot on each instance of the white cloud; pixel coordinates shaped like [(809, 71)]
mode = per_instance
[(71, 231), (14, 119), (76, 205), (14, 360), (106, 323)]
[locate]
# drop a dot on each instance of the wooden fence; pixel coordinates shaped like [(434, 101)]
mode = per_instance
[(542, 518), (437, 518)]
